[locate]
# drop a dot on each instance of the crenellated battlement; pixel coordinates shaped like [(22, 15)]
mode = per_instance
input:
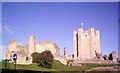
[(12, 45), (12, 41), (90, 32), (85, 40)]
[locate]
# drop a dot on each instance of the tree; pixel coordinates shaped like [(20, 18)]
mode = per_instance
[(34, 57), (45, 59)]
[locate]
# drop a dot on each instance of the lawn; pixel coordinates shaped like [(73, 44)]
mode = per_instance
[(57, 66)]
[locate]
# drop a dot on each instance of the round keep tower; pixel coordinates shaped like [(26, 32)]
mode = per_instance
[(31, 44)]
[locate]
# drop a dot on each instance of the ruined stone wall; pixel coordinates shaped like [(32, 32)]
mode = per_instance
[(65, 52), (42, 46), (25, 51), (8, 54), (12, 45)]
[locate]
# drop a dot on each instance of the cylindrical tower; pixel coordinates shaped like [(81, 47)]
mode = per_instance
[(75, 44), (80, 42), (31, 44)]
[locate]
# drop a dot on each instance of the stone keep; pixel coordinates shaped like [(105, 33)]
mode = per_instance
[(86, 43)]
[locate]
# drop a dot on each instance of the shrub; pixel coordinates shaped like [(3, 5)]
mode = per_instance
[(45, 59), (34, 57), (69, 62)]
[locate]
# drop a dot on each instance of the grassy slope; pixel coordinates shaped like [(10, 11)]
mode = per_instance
[(60, 67), (57, 66)]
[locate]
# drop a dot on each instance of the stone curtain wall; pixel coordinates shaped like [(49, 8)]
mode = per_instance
[(42, 46)]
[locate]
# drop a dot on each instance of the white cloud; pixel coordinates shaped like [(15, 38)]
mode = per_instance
[(7, 29)]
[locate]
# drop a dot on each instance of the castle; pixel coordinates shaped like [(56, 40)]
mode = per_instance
[(86, 43), (24, 53), (86, 48)]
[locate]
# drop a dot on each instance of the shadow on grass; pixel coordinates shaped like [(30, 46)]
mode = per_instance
[(29, 71)]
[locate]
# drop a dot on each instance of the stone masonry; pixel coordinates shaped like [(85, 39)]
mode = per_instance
[(86, 43), (86, 49), (24, 52)]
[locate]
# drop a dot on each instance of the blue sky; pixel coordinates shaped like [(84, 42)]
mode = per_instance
[(56, 22)]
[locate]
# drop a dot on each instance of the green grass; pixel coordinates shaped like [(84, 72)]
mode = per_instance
[(34, 67), (57, 66), (60, 67)]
